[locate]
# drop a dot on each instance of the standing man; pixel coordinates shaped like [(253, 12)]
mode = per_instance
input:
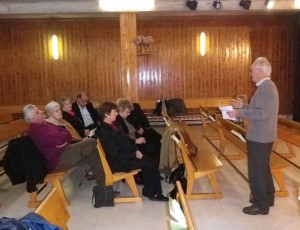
[(262, 114), (85, 112)]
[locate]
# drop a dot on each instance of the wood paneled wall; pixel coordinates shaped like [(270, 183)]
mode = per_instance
[(91, 58)]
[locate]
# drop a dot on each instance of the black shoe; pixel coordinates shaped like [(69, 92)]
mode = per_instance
[(159, 197), (271, 204), (161, 178), (252, 210), (116, 193)]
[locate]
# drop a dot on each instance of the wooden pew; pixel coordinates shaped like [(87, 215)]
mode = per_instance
[(54, 210), (180, 197), (227, 137), (16, 129), (204, 163), (209, 123), (289, 132), (5, 117), (111, 178)]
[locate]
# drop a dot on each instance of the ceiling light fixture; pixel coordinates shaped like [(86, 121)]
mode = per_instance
[(126, 5), (245, 4), (192, 5), (217, 4)]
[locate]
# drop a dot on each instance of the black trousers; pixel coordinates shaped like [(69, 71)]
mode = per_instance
[(259, 171), (150, 173)]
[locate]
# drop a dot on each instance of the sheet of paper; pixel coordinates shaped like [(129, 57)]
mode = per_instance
[(177, 213), (92, 132), (224, 110), (238, 135)]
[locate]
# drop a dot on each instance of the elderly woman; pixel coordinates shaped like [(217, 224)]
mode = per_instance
[(54, 142), (69, 116), (123, 155), (130, 126), (54, 116)]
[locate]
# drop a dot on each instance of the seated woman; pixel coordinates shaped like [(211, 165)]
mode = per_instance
[(131, 127), (69, 116), (54, 116), (123, 155), (54, 142)]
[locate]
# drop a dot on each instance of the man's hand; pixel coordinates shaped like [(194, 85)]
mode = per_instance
[(236, 103), (232, 113), (139, 155)]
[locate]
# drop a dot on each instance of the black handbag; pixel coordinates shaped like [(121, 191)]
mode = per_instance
[(103, 196)]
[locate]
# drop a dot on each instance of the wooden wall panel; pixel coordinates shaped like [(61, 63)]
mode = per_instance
[(176, 69), (91, 58)]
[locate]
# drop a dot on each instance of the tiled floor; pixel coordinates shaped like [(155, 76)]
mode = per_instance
[(222, 214)]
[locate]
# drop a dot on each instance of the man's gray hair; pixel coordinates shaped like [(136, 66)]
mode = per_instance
[(263, 64), (27, 112)]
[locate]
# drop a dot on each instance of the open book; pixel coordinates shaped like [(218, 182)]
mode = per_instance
[(224, 110), (178, 222)]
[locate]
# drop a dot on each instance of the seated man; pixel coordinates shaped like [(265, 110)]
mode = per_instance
[(84, 110), (122, 154), (54, 143)]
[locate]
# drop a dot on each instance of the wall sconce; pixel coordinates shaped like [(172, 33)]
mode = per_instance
[(297, 4), (269, 4), (202, 44), (55, 47)]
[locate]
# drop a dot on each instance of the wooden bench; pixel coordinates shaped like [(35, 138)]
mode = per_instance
[(54, 209), (226, 129), (289, 132), (16, 129), (180, 197), (209, 123), (111, 178), (5, 117), (204, 163)]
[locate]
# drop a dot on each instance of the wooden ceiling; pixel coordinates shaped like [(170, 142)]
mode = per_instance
[(90, 8)]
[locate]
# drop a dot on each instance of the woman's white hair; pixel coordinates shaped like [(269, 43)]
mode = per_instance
[(50, 107), (263, 64)]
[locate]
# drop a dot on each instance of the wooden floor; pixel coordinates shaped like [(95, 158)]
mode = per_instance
[(214, 214)]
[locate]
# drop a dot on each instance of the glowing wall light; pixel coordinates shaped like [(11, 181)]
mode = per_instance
[(270, 4), (297, 4), (202, 44), (54, 47), (126, 5)]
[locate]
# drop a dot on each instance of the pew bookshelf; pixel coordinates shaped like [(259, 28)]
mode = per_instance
[(180, 197)]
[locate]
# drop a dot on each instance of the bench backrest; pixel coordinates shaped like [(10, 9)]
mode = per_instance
[(185, 206), (208, 115), (225, 131), (12, 130), (167, 118), (54, 210), (5, 117), (289, 131), (106, 168)]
